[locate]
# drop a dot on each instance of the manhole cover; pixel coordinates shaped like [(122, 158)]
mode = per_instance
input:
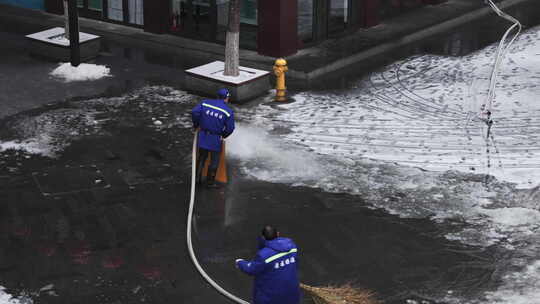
[(58, 181)]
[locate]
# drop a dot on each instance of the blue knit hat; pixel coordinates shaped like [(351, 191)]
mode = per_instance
[(223, 93)]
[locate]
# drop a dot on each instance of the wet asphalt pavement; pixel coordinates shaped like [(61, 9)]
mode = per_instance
[(103, 219), (123, 239), (25, 83)]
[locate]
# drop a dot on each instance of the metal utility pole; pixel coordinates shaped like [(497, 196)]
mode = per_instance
[(75, 50)]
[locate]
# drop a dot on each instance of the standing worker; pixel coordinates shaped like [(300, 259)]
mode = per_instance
[(216, 122), (274, 269)]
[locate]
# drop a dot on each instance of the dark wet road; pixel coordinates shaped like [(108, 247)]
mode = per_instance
[(112, 225), (111, 228)]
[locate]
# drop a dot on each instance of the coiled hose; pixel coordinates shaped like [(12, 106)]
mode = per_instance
[(190, 218)]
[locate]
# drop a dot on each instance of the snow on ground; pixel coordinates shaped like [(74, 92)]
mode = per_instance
[(521, 288), (420, 117), (423, 112), (29, 146), (6, 298), (50, 132), (410, 138), (83, 72)]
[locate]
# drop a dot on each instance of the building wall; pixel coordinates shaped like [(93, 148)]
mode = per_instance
[(33, 4)]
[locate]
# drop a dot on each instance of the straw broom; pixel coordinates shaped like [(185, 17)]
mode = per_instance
[(340, 295)]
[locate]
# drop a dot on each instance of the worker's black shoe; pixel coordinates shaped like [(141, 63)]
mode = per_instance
[(211, 180)]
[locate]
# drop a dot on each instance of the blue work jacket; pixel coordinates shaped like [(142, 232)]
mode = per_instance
[(275, 272), (216, 121)]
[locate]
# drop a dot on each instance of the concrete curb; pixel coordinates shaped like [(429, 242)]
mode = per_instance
[(405, 41), (204, 50)]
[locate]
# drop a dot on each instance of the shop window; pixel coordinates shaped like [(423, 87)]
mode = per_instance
[(96, 5), (223, 12), (115, 10), (136, 12), (198, 10), (248, 22), (305, 20), (208, 20), (338, 15), (248, 12), (80, 3)]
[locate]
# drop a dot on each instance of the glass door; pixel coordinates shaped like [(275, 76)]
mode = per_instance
[(197, 18), (248, 12), (305, 20), (136, 12), (95, 5), (90, 8), (126, 11), (115, 10), (338, 16)]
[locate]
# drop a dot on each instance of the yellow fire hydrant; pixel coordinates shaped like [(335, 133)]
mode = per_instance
[(280, 67)]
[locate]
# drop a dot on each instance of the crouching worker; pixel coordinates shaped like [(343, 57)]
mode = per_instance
[(274, 269), (215, 121)]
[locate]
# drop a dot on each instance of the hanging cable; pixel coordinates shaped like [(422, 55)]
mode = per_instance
[(487, 107), (189, 241), (501, 51)]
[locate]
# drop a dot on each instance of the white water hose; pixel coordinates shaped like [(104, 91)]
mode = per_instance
[(189, 242), (501, 51)]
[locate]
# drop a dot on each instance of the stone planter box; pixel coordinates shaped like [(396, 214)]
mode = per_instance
[(208, 79), (51, 44)]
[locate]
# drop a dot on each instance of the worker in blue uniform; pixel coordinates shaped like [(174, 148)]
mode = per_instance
[(274, 269), (215, 121)]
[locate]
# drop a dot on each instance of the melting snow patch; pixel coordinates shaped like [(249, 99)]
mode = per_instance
[(513, 216), (6, 298), (430, 116), (29, 146), (83, 72), (522, 287)]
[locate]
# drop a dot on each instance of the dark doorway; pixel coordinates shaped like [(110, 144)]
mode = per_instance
[(90, 8), (194, 18), (306, 20), (338, 13), (130, 12), (332, 18)]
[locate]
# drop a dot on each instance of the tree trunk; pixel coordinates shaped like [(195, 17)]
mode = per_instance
[(66, 19), (232, 43)]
